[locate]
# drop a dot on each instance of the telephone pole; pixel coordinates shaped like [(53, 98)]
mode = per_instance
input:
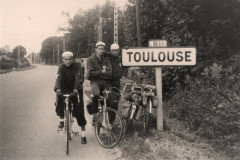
[(53, 57), (115, 23), (64, 45), (138, 23), (100, 29), (18, 56), (58, 56)]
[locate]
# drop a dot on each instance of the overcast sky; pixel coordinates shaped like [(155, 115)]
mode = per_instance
[(29, 22)]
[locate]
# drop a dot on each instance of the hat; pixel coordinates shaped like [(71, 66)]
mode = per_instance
[(67, 54), (114, 46), (100, 44)]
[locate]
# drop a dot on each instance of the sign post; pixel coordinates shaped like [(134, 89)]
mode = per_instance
[(158, 77), (158, 54)]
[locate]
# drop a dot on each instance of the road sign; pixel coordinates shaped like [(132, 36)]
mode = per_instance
[(176, 56), (157, 43)]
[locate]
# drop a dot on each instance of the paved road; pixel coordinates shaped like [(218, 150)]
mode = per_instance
[(28, 123)]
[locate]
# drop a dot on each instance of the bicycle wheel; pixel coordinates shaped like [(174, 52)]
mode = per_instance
[(126, 124), (146, 121), (108, 133), (67, 129)]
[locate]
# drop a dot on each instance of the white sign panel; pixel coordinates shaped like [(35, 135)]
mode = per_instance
[(159, 56)]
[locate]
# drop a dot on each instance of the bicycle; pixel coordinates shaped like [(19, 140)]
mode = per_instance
[(68, 118), (148, 100), (141, 99), (108, 124)]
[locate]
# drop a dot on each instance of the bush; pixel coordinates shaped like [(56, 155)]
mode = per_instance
[(210, 104), (23, 65), (8, 63)]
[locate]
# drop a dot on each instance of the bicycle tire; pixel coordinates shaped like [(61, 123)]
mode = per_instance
[(109, 137), (126, 124), (146, 122), (67, 134)]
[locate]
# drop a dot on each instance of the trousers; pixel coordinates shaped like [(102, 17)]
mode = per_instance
[(78, 108), (97, 88)]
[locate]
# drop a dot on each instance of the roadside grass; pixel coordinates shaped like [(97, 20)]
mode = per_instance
[(175, 142), (2, 71)]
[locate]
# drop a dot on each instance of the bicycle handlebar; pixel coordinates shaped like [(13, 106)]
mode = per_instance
[(73, 94)]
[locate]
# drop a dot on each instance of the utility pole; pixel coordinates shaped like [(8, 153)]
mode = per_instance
[(115, 23), (30, 57), (18, 56), (131, 69), (138, 31), (100, 29), (138, 23), (53, 57), (100, 26), (92, 48), (58, 56), (34, 58), (63, 45)]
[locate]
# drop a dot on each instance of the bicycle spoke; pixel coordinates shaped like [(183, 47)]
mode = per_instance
[(109, 136), (115, 131), (114, 136)]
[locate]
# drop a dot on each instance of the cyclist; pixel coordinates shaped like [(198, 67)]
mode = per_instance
[(117, 73), (99, 72), (70, 79)]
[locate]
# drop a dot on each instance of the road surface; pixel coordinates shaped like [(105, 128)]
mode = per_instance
[(29, 123)]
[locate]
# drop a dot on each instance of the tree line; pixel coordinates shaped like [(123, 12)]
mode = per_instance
[(11, 59), (210, 25)]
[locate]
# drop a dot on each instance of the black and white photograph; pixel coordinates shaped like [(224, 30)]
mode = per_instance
[(119, 79)]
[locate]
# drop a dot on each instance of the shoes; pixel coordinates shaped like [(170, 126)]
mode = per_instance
[(61, 124), (84, 140)]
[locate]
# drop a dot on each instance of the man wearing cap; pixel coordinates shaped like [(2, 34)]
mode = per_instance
[(99, 72), (117, 72), (116, 66), (70, 79)]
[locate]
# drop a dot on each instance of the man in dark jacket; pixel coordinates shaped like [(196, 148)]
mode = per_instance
[(117, 73), (70, 79), (99, 72), (117, 69)]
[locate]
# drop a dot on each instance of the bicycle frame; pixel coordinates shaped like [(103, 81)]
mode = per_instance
[(105, 117), (68, 120), (67, 109)]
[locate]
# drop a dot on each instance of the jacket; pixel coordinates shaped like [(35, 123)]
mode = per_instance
[(117, 68), (69, 78), (95, 67)]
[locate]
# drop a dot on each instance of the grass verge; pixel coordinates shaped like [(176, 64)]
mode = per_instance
[(2, 71), (175, 142)]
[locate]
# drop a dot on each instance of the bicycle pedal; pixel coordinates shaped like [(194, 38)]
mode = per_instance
[(60, 130), (75, 134)]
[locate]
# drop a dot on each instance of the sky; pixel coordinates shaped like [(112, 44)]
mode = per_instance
[(29, 22)]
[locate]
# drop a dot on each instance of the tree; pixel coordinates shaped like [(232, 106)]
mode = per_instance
[(22, 52), (49, 49), (82, 32), (5, 50)]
